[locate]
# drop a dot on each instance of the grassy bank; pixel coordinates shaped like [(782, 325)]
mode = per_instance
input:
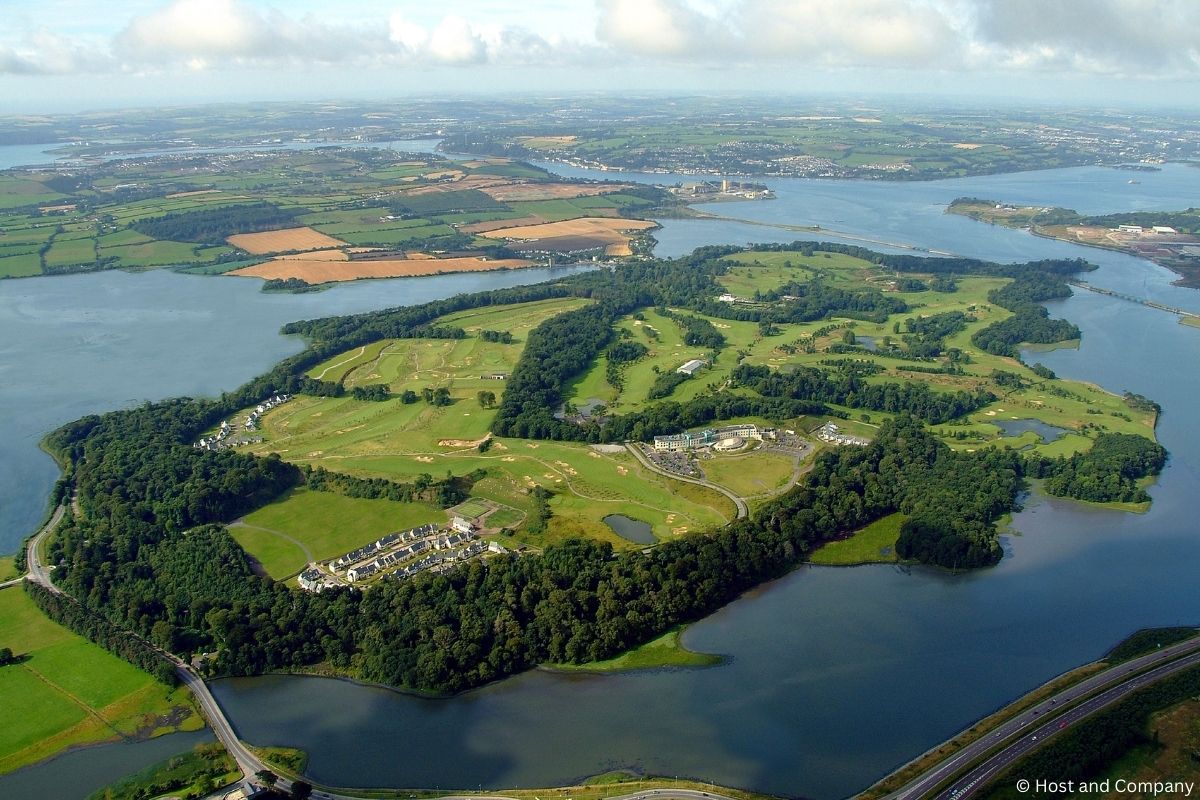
[(66, 691), (665, 651), (207, 768), (874, 544), (612, 784), (8, 570)]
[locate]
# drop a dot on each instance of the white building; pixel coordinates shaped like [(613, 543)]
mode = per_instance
[(1129, 228), (462, 525), (691, 367), (1163, 229), (709, 437)]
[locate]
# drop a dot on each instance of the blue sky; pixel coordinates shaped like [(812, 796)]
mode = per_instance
[(58, 55)]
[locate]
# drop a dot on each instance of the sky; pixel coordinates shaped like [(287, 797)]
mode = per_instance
[(67, 55)]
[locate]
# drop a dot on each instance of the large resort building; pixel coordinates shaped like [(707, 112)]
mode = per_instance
[(729, 437)]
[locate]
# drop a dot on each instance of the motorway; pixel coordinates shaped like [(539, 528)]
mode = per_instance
[(1116, 683), (743, 509)]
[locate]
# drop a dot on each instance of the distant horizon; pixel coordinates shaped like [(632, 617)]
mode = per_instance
[(889, 101)]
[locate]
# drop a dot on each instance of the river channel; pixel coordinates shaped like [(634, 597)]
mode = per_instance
[(833, 676)]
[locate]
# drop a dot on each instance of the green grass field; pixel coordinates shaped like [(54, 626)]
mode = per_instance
[(759, 472), (471, 509), (71, 252), (20, 266), (306, 525), (665, 651), (875, 543), (69, 692)]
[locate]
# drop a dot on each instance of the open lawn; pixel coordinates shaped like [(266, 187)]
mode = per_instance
[(758, 472), (69, 691), (665, 651), (457, 364), (312, 526), (873, 544)]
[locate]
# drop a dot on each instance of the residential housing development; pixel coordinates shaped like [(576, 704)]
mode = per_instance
[(225, 435), (831, 434), (401, 554)]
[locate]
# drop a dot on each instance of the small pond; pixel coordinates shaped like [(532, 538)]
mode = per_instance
[(632, 529), (1015, 427)]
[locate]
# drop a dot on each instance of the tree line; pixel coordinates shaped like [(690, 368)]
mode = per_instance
[(213, 225)]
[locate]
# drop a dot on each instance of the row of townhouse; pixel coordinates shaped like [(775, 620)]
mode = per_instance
[(392, 539)]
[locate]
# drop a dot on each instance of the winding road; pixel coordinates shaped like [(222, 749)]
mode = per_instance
[(743, 510), (1113, 684), (247, 761)]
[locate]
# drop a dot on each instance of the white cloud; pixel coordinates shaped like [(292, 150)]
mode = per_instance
[(1138, 37), (43, 52), (658, 28), (1146, 38), (1128, 38)]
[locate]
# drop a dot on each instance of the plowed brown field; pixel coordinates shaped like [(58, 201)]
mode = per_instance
[(326, 271), (282, 241)]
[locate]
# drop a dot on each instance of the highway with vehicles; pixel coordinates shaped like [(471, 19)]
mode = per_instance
[(1113, 684), (979, 777)]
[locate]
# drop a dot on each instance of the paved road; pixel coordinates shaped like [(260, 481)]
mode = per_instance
[(979, 777), (38, 573), (743, 509), (1116, 683)]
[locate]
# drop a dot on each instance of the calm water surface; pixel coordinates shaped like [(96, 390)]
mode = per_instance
[(820, 662), (635, 530)]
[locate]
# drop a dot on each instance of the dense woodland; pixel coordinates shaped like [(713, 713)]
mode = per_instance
[(848, 388), (149, 553), (1107, 473), (212, 225)]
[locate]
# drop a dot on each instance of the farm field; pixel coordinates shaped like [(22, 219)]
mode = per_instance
[(283, 241), (206, 213), (70, 692), (308, 526), (324, 271), (574, 234)]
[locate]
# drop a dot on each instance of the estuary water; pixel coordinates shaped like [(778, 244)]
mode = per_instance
[(833, 676)]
